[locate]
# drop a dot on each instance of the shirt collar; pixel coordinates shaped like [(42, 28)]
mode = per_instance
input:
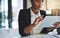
[(32, 13)]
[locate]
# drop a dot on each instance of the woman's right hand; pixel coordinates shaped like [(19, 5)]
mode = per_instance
[(37, 20)]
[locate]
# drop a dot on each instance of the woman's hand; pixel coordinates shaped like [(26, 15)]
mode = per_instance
[(37, 20), (56, 25)]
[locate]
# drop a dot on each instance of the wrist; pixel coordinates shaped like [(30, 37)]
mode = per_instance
[(34, 24)]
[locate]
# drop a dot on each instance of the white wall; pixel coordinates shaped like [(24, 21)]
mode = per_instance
[(53, 4)]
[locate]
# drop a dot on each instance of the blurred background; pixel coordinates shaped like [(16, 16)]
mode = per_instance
[(9, 10)]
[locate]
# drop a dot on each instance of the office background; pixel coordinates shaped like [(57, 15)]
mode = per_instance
[(9, 10)]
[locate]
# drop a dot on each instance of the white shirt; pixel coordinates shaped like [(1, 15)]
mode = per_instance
[(54, 32), (33, 17)]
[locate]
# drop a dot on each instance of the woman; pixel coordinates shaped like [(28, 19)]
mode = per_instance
[(30, 18)]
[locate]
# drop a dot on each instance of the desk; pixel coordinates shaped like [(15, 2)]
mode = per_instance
[(41, 36), (13, 33)]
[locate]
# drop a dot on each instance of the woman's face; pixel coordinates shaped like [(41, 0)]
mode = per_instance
[(36, 4)]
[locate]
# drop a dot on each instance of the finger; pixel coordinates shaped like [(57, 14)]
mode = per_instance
[(40, 19)]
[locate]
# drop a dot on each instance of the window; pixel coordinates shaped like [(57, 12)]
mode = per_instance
[(3, 13), (16, 6)]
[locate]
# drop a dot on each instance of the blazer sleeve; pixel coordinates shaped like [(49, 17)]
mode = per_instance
[(22, 23)]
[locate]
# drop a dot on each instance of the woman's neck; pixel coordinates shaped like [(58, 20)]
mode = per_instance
[(34, 10)]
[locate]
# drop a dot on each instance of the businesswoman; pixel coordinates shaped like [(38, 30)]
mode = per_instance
[(30, 18)]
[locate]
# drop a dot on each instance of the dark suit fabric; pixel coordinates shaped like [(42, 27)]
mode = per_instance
[(24, 19)]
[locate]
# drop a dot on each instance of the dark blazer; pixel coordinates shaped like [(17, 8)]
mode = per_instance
[(24, 19)]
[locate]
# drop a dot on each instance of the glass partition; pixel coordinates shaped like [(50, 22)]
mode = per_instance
[(3, 13)]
